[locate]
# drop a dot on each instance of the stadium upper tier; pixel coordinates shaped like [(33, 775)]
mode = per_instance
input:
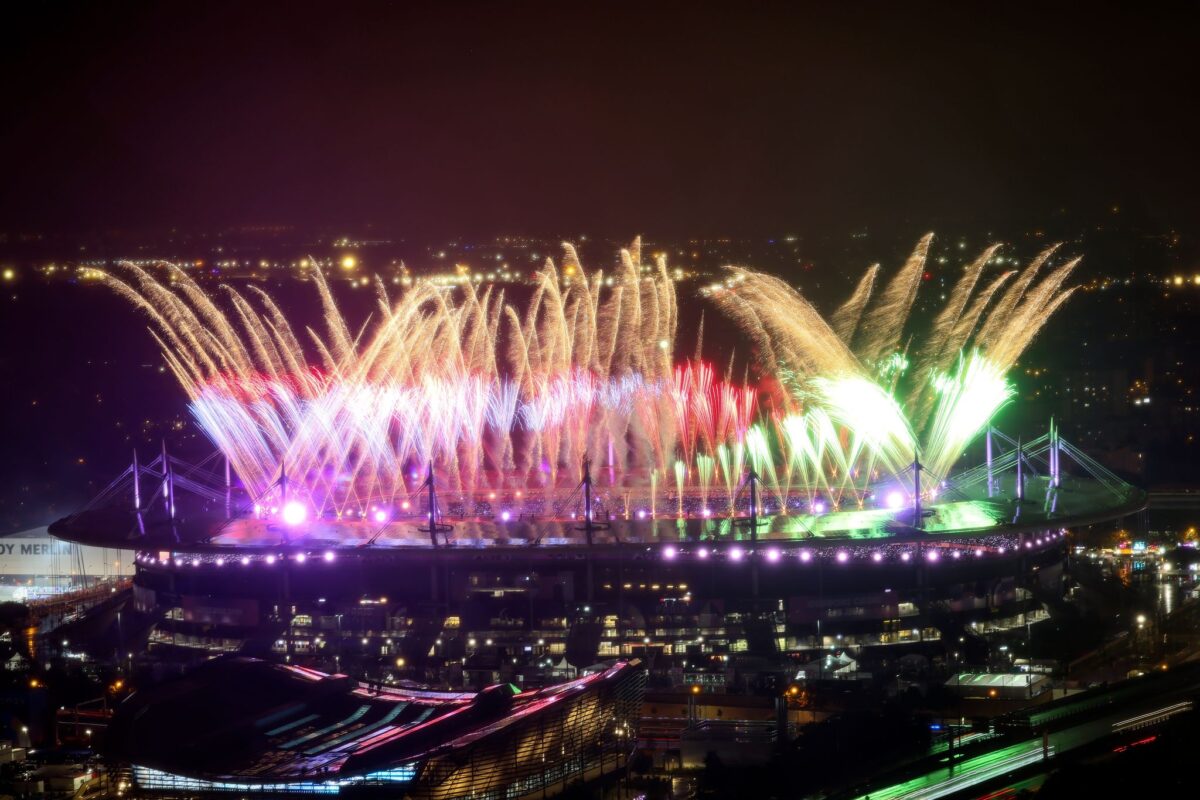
[(1077, 500)]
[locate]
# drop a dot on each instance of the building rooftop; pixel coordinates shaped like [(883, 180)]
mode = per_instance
[(237, 723)]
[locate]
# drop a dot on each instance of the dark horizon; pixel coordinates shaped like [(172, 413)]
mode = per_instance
[(426, 120)]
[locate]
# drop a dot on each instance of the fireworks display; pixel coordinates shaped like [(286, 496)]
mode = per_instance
[(508, 401), (896, 399)]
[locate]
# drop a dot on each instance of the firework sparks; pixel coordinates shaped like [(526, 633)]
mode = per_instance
[(501, 400)]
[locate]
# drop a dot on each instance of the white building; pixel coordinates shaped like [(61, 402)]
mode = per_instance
[(997, 686), (34, 564)]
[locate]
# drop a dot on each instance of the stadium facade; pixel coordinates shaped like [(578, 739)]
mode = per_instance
[(467, 599)]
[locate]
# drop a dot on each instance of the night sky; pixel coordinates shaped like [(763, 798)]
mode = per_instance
[(479, 118)]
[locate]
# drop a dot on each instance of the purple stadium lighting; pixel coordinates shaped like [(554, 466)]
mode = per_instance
[(773, 554), (702, 553), (270, 559), (301, 558), (905, 556), (328, 556), (294, 512), (842, 557), (245, 561), (381, 516), (669, 552), (932, 555), (736, 553), (894, 500), (818, 507), (877, 556), (806, 556)]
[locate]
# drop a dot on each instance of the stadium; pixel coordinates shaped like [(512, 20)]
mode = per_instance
[(470, 493)]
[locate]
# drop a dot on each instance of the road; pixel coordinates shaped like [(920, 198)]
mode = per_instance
[(1008, 756)]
